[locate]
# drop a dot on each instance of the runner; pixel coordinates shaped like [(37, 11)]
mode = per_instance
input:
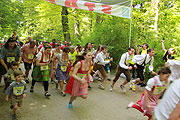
[(28, 54), (61, 71), (41, 70), (55, 52), (78, 83), (100, 63), (168, 55), (140, 62), (9, 76), (169, 107), (17, 90), (124, 67), (174, 66), (10, 52), (154, 89)]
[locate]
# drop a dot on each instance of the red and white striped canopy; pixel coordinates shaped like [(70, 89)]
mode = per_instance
[(120, 8)]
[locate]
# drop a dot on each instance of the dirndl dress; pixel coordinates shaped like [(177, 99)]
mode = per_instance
[(76, 88), (41, 75), (61, 74)]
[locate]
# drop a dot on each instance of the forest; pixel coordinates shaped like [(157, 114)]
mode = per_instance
[(151, 20)]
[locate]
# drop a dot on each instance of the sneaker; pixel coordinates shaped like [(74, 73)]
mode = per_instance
[(47, 94), (99, 79), (63, 93), (64, 82), (14, 117), (70, 105), (27, 80), (122, 88), (31, 89), (111, 88), (130, 105), (52, 81), (109, 79), (89, 87), (133, 88), (100, 86), (11, 107)]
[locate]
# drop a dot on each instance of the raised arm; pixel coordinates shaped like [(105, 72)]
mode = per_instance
[(163, 47)]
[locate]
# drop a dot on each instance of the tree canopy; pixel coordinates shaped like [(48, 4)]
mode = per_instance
[(151, 21)]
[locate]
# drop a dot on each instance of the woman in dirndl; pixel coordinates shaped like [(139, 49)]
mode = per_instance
[(61, 71), (78, 83), (41, 70), (55, 52), (155, 88)]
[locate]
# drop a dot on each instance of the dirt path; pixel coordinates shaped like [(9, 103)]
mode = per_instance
[(100, 105)]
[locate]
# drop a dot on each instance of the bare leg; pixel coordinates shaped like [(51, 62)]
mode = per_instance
[(72, 99)]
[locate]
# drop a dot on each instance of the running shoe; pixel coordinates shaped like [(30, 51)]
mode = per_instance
[(63, 93), (47, 94), (31, 89), (130, 105), (111, 88), (122, 88), (14, 117), (64, 82), (109, 79), (100, 86), (27, 80), (133, 86), (99, 79), (89, 87), (70, 105), (11, 107)]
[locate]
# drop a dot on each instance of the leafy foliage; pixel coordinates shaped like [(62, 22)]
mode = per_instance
[(43, 21)]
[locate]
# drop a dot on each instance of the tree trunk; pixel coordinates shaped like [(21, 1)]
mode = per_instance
[(98, 18), (65, 25), (76, 25), (156, 18)]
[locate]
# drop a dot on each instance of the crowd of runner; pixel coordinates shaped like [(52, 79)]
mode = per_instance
[(72, 68)]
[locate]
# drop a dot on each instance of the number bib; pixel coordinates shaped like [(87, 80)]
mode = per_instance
[(10, 59), (18, 90), (30, 56), (12, 77), (64, 68), (44, 67), (82, 76), (159, 90)]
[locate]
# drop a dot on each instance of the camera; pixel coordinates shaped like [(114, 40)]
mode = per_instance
[(140, 45)]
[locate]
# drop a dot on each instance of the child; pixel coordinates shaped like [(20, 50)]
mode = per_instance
[(154, 89), (17, 90), (9, 76)]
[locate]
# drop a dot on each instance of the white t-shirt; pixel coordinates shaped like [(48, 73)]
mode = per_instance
[(170, 99), (175, 69)]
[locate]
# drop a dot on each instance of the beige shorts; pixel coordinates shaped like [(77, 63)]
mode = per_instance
[(16, 100)]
